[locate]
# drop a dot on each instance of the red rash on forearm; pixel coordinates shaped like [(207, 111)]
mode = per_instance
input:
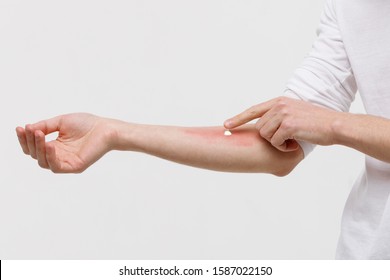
[(240, 137)]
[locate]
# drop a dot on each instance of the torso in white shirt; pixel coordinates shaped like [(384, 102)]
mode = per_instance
[(352, 53)]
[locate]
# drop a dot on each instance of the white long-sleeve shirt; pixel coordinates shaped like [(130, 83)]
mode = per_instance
[(352, 52)]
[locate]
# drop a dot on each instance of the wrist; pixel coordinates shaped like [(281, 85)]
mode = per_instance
[(120, 135), (109, 132), (340, 127)]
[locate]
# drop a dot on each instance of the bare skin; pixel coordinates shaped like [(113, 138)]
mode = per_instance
[(283, 120), (85, 138)]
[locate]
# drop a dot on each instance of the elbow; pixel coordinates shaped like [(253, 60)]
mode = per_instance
[(282, 172), (284, 169), (288, 164)]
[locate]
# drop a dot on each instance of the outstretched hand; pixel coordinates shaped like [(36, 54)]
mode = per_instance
[(283, 120), (82, 140)]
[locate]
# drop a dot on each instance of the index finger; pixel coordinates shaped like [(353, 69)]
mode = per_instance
[(252, 113)]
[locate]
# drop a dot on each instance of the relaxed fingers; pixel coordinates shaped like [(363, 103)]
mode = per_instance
[(40, 149), (20, 132), (30, 140)]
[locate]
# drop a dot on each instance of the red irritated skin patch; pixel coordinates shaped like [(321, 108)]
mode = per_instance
[(240, 137)]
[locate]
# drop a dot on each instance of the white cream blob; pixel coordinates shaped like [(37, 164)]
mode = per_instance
[(227, 133)]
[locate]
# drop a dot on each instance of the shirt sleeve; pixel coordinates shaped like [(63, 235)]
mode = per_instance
[(325, 76)]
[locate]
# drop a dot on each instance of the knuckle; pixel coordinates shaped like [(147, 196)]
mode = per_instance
[(29, 128), (288, 125), (252, 111), (284, 111), (265, 134), (281, 100), (283, 103)]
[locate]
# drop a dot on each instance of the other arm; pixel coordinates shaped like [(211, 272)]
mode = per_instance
[(284, 120)]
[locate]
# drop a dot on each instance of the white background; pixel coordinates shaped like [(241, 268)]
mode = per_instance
[(191, 63)]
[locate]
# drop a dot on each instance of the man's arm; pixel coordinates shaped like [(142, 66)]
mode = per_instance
[(283, 119), (365, 133), (84, 138)]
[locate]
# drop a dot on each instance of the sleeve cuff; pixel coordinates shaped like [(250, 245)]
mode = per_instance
[(306, 147)]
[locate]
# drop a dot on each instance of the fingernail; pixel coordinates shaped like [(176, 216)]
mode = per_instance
[(228, 123)]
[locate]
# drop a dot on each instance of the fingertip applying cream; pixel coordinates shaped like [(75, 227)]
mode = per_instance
[(228, 124)]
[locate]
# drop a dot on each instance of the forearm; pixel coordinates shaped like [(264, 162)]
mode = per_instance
[(209, 148), (365, 133)]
